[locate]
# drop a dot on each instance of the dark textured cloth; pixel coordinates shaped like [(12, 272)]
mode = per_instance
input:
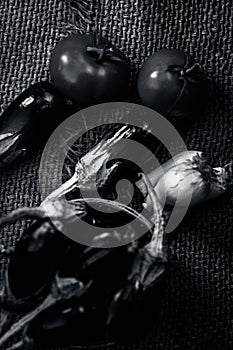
[(196, 310)]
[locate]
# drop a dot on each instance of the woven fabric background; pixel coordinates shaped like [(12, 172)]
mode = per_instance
[(198, 296)]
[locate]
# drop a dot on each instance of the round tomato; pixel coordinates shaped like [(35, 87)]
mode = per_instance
[(170, 83), (88, 70)]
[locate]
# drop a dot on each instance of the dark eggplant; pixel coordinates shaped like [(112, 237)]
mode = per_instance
[(29, 120), (124, 297), (32, 265)]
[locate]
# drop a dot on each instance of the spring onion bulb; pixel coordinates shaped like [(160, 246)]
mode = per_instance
[(189, 174)]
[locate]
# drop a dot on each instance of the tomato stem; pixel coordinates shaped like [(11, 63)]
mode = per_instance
[(99, 52), (190, 69), (183, 70), (105, 53), (102, 53), (189, 73)]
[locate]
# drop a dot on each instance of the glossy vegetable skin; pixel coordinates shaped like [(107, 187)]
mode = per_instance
[(89, 70), (33, 264), (29, 119), (170, 82)]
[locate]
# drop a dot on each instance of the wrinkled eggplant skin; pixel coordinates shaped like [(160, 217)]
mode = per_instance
[(33, 264), (29, 120)]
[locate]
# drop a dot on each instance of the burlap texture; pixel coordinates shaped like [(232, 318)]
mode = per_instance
[(198, 296)]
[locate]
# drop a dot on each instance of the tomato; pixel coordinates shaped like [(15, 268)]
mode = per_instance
[(170, 82), (88, 70)]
